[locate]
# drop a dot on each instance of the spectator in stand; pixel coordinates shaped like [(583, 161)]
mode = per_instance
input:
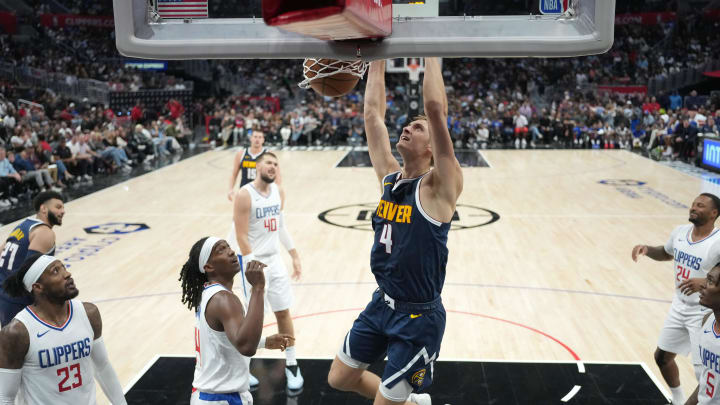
[(685, 145), (136, 114), (709, 128), (9, 180), (521, 130), (116, 156), (29, 173), (651, 106), (81, 167)]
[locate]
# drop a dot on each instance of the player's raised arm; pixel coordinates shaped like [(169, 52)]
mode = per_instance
[(374, 112), (447, 178)]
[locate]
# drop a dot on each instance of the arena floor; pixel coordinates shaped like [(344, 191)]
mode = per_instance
[(539, 269)]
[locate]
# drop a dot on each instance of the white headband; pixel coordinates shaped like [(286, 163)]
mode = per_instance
[(205, 252), (36, 270)]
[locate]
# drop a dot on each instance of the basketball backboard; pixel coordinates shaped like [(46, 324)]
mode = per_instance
[(435, 28)]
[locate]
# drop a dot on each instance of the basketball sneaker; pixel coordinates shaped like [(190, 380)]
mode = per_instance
[(253, 381), (294, 381), (420, 399)]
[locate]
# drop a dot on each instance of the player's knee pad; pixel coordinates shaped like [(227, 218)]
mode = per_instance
[(398, 393)]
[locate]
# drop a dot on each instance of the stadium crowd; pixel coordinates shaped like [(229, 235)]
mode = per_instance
[(52, 141)]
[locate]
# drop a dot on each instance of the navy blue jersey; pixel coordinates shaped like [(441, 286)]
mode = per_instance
[(409, 254), (248, 163), (16, 248)]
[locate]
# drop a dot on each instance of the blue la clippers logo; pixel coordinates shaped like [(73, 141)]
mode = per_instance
[(116, 228), (635, 188)]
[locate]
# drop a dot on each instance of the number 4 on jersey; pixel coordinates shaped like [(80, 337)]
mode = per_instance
[(386, 238)]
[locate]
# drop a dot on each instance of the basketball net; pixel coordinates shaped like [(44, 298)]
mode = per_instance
[(322, 69), (414, 72)]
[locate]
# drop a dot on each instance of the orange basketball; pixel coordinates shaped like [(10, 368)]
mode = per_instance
[(337, 84)]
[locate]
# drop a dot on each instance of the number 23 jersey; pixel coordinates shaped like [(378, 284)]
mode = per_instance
[(692, 259), (409, 252)]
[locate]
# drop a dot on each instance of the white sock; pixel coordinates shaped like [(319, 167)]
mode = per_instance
[(677, 395), (290, 356)]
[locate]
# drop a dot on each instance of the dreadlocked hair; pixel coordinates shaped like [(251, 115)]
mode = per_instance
[(191, 278), (13, 285)]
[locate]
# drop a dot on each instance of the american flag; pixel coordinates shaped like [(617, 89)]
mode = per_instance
[(182, 8)]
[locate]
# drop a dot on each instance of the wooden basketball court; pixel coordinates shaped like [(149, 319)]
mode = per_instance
[(550, 280)]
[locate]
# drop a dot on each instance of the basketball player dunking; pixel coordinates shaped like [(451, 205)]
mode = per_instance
[(33, 235), (708, 338), (52, 348), (405, 318), (258, 225), (695, 249), (246, 161), (226, 336)]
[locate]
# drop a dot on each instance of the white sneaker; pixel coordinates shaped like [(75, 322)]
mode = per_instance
[(4, 203), (87, 177), (254, 382), (420, 399), (13, 200), (294, 382)]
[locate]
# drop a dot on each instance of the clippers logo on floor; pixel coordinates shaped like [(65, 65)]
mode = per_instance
[(634, 189), (116, 228)]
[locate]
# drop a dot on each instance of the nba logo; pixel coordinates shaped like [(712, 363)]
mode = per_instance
[(553, 6)]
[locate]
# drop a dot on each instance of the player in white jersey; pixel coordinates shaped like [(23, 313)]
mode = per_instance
[(225, 334), (695, 249), (708, 347), (258, 226), (51, 349)]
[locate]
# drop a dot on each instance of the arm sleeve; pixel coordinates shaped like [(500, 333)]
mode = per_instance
[(105, 374), (285, 237), (9, 385)]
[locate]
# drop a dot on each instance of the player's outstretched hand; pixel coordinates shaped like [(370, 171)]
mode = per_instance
[(279, 341), (254, 274), (639, 250), (297, 269), (691, 285)]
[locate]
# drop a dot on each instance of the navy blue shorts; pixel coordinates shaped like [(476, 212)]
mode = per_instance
[(410, 340)]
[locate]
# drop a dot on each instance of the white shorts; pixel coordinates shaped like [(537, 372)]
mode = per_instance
[(679, 333), (242, 398), (278, 294)]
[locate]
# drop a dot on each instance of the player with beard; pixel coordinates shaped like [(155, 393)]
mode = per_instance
[(246, 162), (33, 235), (709, 342), (258, 226), (51, 349), (406, 317), (695, 248)]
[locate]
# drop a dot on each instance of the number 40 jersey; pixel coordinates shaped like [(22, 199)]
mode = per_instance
[(692, 259)]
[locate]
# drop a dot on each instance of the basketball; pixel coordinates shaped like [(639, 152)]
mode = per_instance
[(334, 85)]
